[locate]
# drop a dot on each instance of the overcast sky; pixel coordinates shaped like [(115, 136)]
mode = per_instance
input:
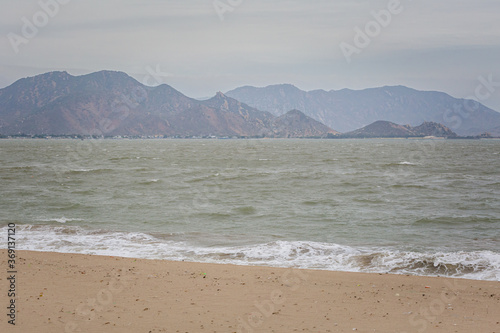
[(203, 46)]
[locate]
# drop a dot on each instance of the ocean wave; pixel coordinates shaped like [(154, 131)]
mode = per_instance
[(478, 265), (402, 163), (88, 170), (149, 181), (19, 167), (455, 220), (59, 220)]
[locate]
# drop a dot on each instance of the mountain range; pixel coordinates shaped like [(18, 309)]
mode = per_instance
[(112, 103), (347, 110)]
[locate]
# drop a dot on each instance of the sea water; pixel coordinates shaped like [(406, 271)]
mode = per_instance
[(422, 207)]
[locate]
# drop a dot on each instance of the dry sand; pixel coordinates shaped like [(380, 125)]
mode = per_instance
[(82, 293)]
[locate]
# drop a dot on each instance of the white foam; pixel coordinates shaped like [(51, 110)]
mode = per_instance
[(479, 265), (59, 220)]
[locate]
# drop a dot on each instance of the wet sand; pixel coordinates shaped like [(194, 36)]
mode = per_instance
[(82, 293)]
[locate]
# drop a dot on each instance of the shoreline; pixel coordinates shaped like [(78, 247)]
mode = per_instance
[(59, 292), (249, 264)]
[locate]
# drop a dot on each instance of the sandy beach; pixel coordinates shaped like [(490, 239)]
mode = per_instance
[(82, 293)]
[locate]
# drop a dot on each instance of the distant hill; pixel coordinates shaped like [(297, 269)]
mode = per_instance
[(113, 103), (430, 128), (387, 129), (295, 124), (346, 110)]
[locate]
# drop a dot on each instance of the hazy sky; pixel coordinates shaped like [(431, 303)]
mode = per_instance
[(203, 46)]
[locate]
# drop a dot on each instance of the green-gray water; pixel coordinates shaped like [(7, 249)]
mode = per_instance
[(426, 207)]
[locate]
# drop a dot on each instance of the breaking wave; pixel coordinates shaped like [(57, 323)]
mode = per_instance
[(478, 265)]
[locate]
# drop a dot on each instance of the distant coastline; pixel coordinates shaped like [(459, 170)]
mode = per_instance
[(164, 137)]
